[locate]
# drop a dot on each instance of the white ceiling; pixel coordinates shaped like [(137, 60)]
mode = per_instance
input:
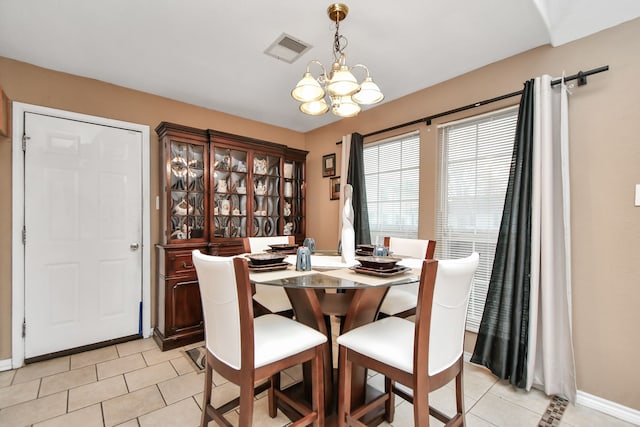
[(211, 53)]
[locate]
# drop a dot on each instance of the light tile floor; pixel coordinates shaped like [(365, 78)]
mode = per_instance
[(136, 385)]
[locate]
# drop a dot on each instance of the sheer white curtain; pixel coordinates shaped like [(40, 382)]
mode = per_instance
[(550, 364)]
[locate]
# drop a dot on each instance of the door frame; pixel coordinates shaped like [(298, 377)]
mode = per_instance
[(18, 214)]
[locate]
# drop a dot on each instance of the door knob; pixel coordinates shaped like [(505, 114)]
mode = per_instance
[(134, 246)]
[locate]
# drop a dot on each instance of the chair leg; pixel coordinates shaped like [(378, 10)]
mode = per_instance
[(420, 409), (318, 386), (246, 402), (460, 396), (206, 400), (390, 404), (272, 395), (344, 387)]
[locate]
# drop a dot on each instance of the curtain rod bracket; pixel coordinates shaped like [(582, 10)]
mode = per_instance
[(427, 122), (582, 78)]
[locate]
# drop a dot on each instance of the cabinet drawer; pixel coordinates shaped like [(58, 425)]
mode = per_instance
[(179, 262)]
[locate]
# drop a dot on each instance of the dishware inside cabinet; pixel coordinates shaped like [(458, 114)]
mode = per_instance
[(230, 177), (292, 210)]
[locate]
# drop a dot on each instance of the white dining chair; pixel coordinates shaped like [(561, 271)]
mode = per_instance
[(270, 299), (401, 301), (246, 350), (423, 356)]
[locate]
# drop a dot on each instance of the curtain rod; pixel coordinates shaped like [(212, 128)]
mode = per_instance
[(581, 76)]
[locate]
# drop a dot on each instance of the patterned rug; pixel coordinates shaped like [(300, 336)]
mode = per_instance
[(553, 414), (197, 357)]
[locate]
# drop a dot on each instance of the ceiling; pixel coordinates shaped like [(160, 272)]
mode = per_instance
[(211, 53)]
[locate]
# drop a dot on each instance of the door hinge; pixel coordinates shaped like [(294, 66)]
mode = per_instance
[(24, 142), (24, 234), (24, 328)]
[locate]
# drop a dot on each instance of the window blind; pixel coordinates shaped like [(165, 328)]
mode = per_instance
[(475, 158), (392, 177)]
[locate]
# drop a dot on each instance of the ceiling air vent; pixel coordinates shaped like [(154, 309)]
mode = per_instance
[(287, 48)]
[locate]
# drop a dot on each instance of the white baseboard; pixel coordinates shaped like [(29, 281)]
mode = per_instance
[(590, 401), (5, 365), (608, 407)]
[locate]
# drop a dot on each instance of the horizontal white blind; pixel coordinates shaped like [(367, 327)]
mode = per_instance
[(475, 158), (392, 177)]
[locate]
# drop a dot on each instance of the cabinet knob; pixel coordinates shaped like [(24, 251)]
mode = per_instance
[(134, 246)]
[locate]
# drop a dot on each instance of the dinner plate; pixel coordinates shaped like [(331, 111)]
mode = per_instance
[(398, 269), (265, 258), (283, 246), (269, 267), (361, 252), (292, 251)]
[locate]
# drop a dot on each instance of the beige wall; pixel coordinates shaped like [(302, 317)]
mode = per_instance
[(605, 166)]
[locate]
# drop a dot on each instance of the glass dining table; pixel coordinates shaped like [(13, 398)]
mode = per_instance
[(333, 288)]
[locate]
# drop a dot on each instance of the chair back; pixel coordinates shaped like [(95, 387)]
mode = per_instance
[(261, 244), (413, 248), (221, 298), (445, 287)]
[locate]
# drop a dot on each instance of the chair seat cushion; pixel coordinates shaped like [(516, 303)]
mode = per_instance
[(273, 298), (277, 337), (398, 300), (389, 340)]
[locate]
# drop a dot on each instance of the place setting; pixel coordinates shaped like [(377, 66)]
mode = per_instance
[(283, 248), (267, 261), (381, 266)]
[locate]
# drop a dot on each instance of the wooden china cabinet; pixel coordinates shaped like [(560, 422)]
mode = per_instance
[(218, 188)]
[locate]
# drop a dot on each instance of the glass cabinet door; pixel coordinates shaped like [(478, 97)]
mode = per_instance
[(266, 195), (186, 191), (230, 176), (293, 198)]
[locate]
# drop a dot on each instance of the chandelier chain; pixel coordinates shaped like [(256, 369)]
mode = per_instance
[(339, 42)]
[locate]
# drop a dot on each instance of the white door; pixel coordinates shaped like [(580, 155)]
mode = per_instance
[(83, 230)]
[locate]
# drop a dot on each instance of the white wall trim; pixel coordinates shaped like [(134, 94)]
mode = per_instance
[(5, 365), (608, 407), (17, 218)]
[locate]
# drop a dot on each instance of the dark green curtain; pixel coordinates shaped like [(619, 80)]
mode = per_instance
[(503, 336), (355, 177)]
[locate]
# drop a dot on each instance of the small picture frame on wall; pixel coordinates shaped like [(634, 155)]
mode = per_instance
[(329, 165), (334, 188)]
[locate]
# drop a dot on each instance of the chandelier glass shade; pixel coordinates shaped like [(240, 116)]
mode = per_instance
[(340, 86)]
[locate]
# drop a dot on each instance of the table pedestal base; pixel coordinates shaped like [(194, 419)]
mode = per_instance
[(357, 307)]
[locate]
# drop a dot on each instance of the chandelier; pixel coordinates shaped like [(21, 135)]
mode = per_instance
[(344, 92)]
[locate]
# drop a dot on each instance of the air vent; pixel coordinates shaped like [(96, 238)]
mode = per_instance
[(287, 48)]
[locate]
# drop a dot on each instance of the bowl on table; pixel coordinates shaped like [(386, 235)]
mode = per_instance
[(365, 250), (378, 262)]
